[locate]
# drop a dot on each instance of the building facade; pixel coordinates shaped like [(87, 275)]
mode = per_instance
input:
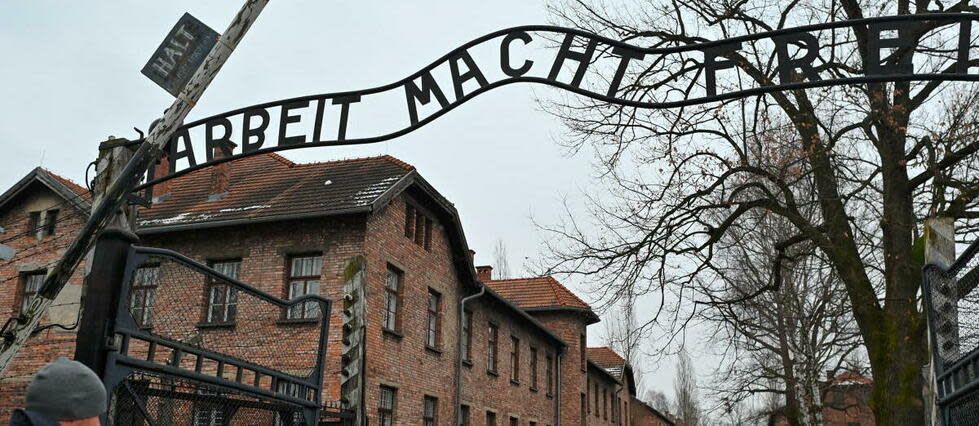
[(442, 340)]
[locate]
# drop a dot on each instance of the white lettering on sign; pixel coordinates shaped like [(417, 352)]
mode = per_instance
[(177, 48)]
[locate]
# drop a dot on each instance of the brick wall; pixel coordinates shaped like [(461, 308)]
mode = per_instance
[(404, 362), (263, 250), (35, 254), (569, 326)]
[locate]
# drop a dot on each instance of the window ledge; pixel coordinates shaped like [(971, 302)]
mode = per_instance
[(467, 363), (515, 382), (224, 324), (534, 389), (433, 350), (392, 333), (492, 373), (549, 395), (297, 321)]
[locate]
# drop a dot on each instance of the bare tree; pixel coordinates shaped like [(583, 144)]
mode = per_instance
[(657, 399), (779, 312), (687, 404), (501, 261), (881, 157), (623, 334)]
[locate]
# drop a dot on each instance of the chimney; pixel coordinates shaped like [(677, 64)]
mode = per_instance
[(220, 173), (160, 169), (484, 273)]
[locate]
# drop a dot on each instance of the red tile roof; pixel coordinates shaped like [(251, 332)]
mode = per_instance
[(608, 359), (605, 357), (271, 186), (542, 292), (79, 190)]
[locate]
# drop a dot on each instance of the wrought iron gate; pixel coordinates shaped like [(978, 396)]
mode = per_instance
[(194, 345), (953, 315)]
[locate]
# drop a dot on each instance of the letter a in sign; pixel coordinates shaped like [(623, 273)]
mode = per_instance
[(180, 54)]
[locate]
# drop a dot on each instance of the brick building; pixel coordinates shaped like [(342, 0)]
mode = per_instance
[(846, 402), (39, 217), (291, 229)]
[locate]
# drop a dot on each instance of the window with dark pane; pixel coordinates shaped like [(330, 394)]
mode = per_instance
[(434, 312), (430, 408), (222, 299), (409, 222), (514, 421), (491, 347), (142, 294), (419, 228), (304, 278), (515, 359), (385, 408), (605, 403), (34, 222), (50, 222), (490, 418), (392, 298), (467, 335), (464, 415), (550, 374), (31, 282), (428, 234), (533, 368)]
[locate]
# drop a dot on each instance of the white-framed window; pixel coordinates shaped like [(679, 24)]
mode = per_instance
[(32, 283), (434, 319), (142, 294), (392, 298), (304, 278), (385, 407), (222, 299)]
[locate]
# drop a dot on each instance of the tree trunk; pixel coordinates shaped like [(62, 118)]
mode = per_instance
[(896, 361)]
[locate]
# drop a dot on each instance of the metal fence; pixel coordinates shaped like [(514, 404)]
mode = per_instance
[(953, 321), (196, 346)]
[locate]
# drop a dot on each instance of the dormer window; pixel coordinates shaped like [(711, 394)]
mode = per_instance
[(50, 222), (34, 222)]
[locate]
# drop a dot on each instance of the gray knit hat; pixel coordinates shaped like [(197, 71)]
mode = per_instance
[(66, 390)]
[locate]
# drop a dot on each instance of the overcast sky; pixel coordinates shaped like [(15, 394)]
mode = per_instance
[(71, 78)]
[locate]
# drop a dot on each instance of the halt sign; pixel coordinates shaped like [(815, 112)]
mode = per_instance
[(180, 54)]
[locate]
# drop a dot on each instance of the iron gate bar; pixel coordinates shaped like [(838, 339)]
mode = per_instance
[(356, 94), (139, 404), (120, 364)]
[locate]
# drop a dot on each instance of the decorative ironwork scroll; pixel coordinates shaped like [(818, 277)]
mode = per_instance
[(561, 57)]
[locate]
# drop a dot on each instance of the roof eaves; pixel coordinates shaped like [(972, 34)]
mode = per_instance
[(604, 371), (389, 194), (592, 317), (45, 178), (247, 220)]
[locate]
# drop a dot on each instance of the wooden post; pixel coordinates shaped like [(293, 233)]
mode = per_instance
[(105, 264), (115, 195), (940, 249)]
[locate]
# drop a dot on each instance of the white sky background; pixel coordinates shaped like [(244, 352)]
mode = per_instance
[(70, 78)]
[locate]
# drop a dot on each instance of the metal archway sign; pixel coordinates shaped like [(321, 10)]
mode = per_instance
[(302, 122)]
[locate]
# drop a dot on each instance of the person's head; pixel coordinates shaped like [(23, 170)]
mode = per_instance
[(66, 393)]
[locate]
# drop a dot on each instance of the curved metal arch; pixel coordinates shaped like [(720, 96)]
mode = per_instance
[(761, 90)]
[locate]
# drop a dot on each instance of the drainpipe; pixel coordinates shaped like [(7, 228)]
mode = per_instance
[(557, 398), (462, 311)]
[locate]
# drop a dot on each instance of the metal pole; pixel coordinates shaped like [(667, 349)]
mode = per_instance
[(102, 290), (115, 196)]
